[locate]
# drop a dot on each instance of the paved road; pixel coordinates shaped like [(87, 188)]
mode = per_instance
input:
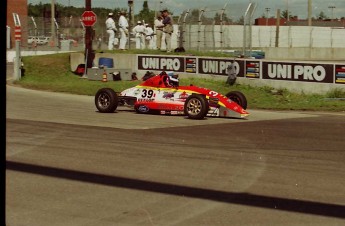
[(70, 165)]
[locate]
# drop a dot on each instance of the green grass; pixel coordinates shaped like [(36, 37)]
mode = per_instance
[(52, 73)]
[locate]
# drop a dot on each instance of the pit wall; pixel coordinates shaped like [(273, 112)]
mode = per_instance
[(296, 76)]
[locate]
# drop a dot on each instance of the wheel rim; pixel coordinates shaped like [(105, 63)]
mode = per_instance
[(103, 100), (194, 106)]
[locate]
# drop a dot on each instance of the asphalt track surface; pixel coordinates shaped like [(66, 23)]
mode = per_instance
[(69, 165)]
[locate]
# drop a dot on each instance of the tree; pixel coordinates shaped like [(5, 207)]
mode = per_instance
[(225, 19), (240, 20), (322, 16), (146, 14)]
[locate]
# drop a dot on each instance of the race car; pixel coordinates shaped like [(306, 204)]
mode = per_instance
[(162, 94)]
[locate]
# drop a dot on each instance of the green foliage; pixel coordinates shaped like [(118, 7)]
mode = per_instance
[(146, 14), (336, 93)]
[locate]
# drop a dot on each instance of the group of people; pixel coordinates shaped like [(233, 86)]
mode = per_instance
[(145, 35), (112, 29)]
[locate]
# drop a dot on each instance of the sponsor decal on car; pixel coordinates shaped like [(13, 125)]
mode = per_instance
[(183, 95), (143, 108), (170, 107), (168, 95), (145, 100), (136, 92)]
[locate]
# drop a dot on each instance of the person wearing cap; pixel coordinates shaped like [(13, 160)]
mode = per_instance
[(123, 27), (168, 29), (159, 31), (111, 29), (138, 32), (149, 33)]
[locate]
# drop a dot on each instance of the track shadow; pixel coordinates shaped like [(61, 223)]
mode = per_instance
[(300, 206)]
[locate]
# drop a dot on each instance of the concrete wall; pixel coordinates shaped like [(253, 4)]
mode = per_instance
[(294, 42), (303, 53)]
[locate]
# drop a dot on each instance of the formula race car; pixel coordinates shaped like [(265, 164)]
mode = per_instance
[(162, 94)]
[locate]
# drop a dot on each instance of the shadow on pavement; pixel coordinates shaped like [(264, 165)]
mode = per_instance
[(300, 206)]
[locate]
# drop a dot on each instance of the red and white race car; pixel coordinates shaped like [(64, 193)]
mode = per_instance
[(161, 94)]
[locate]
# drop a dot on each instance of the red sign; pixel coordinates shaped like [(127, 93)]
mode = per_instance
[(89, 18), (17, 33)]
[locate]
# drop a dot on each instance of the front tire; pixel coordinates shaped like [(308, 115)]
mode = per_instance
[(238, 98), (196, 107), (106, 100)]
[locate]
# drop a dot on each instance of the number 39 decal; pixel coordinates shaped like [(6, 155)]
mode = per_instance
[(147, 93)]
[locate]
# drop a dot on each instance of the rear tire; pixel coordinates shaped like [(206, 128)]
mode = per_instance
[(196, 106), (106, 100), (238, 98)]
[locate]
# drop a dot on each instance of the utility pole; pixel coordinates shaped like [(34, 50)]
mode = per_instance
[(332, 8), (309, 12), (131, 20), (287, 11), (267, 14), (89, 54), (52, 19)]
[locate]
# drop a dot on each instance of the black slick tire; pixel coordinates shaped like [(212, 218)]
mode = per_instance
[(106, 100)]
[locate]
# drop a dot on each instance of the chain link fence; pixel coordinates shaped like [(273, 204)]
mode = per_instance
[(205, 29)]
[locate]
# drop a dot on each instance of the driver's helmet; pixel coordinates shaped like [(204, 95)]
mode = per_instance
[(173, 79)]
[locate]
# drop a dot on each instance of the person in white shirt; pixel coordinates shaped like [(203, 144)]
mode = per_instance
[(149, 36), (159, 31), (111, 29), (139, 33), (123, 27)]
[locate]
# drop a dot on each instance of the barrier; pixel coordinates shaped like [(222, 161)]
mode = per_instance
[(106, 62)]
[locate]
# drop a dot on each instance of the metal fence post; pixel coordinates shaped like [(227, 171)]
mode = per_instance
[(199, 27)]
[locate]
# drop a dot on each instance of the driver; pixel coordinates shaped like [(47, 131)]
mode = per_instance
[(169, 79), (173, 80)]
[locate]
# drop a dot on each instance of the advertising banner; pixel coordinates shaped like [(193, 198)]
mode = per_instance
[(302, 72)]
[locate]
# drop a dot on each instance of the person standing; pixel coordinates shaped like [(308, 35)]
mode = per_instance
[(159, 31), (149, 33), (123, 27), (138, 32), (111, 29), (168, 29)]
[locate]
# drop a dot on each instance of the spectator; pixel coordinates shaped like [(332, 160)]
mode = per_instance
[(159, 31), (111, 29), (139, 34), (168, 29), (149, 36), (123, 27)]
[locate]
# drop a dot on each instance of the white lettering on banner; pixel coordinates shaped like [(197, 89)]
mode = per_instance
[(279, 71), (152, 63), (309, 73), (170, 64), (300, 72), (218, 67), (161, 63)]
